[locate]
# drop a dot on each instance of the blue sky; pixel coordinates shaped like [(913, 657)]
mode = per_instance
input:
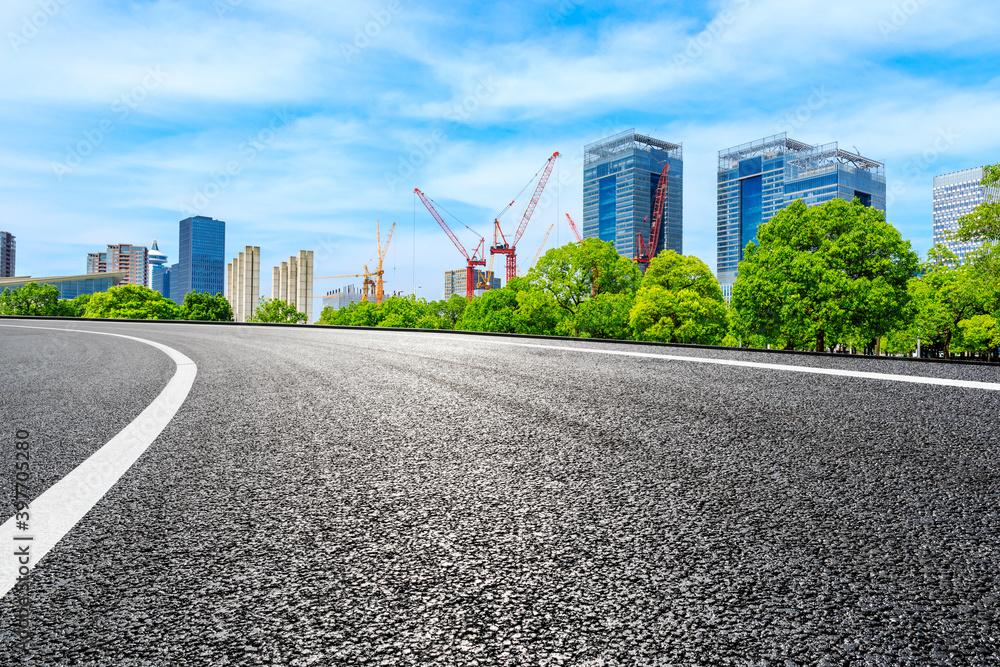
[(122, 117)]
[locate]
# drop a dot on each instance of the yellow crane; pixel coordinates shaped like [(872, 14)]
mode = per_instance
[(537, 254), (371, 287)]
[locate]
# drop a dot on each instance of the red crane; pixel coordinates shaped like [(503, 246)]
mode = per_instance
[(509, 250), (572, 225), (473, 262), (645, 253)]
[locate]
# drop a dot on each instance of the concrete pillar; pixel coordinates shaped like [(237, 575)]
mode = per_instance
[(255, 285), (275, 281), (229, 284), (305, 284), (293, 280), (238, 273), (283, 291)]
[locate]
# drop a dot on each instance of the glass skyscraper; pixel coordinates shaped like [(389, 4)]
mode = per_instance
[(957, 194), (620, 177), (201, 265), (758, 179), (8, 253)]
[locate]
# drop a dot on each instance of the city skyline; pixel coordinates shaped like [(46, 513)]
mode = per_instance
[(319, 129)]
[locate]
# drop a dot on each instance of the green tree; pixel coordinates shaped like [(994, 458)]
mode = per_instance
[(495, 310), (33, 299), (947, 293), (77, 306), (133, 302), (401, 312), (204, 306), (679, 301), (277, 311), (577, 272), (824, 275)]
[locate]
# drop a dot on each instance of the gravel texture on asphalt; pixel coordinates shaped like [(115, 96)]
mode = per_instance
[(346, 497)]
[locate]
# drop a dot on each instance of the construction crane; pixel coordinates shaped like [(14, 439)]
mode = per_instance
[(646, 253), (471, 261), (541, 247), (572, 225), (369, 284), (372, 287), (500, 245), (381, 251)]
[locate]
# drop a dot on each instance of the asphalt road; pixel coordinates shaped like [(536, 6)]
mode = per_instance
[(379, 498)]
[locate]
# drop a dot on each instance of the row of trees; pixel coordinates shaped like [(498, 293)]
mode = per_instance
[(582, 289), (834, 277), (137, 303), (828, 278), (124, 301)]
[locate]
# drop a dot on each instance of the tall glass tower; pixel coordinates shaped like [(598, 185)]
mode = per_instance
[(758, 179), (201, 265), (620, 177), (957, 194)]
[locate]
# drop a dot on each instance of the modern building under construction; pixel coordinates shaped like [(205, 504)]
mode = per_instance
[(454, 282), (620, 177)]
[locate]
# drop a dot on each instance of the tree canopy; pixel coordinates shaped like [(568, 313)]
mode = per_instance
[(824, 275), (679, 301), (204, 306), (33, 299), (132, 302), (277, 311)]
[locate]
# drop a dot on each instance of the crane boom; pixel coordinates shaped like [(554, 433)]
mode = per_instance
[(661, 192), (444, 225), (546, 172), (572, 225), (537, 254)]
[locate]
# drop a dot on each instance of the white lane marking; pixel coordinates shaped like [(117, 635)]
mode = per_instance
[(915, 379), (62, 505)]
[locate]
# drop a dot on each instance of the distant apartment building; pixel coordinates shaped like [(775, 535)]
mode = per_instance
[(342, 297), (70, 287), (7, 255), (454, 282), (243, 283), (201, 265), (620, 178), (955, 195), (292, 281), (132, 260), (760, 178)]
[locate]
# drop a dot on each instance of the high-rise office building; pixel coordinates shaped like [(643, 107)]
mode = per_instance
[(157, 268), (7, 254), (132, 260), (454, 282), (292, 281), (620, 177), (758, 179), (201, 265), (243, 283), (957, 194)]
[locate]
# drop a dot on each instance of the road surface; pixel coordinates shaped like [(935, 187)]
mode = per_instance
[(346, 497)]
